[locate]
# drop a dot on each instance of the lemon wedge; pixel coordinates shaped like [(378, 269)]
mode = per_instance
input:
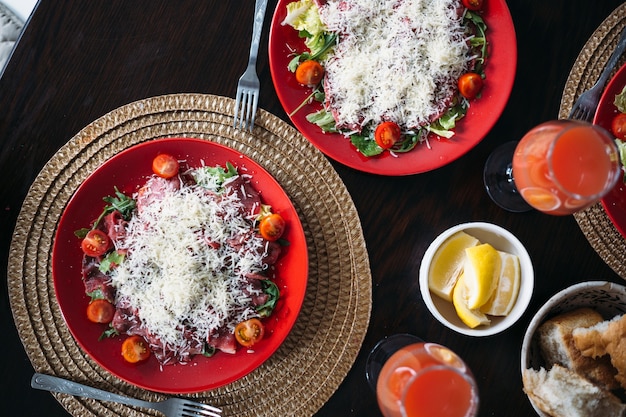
[(471, 317), (447, 264), (505, 295), (481, 270)]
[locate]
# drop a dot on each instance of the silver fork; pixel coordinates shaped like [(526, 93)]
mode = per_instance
[(585, 107), (249, 86), (172, 407)]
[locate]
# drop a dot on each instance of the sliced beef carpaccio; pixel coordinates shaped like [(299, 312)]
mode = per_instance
[(246, 193), (115, 226), (94, 280), (223, 340)]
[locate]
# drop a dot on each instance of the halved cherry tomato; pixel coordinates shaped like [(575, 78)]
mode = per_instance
[(100, 311), (165, 166), (618, 126), (387, 134), (473, 4), (249, 332), (135, 349), (309, 73), (272, 227), (470, 85), (96, 243)]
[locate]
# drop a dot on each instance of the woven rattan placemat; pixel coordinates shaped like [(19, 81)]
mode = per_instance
[(316, 356), (594, 222)]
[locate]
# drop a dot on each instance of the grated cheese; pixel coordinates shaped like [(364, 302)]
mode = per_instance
[(395, 60), (173, 276)]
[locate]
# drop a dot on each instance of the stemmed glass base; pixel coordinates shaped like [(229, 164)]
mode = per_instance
[(498, 179)]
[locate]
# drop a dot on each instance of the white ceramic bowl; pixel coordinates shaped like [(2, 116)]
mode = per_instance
[(607, 298), (502, 240)]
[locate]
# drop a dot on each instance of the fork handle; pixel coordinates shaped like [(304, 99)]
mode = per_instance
[(55, 384), (257, 27), (617, 53)]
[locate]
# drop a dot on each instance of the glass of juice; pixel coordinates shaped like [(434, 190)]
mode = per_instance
[(559, 167), (413, 378)]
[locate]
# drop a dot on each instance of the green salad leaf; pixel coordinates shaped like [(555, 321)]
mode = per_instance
[(621, 146), (620, 101), (213, 178), (324, 119), (271, 289), (120, 202)]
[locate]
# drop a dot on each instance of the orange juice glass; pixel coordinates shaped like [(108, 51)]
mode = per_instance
[(563, 166), (426, 380)]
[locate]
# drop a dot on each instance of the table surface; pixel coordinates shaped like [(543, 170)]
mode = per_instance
[(78, 60)]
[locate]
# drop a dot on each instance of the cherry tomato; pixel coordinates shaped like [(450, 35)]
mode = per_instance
[(272, 227), (165, 166), (100, 311), (387, 134), (470, 85), (96, 243), (473, 4), (618, 126), (249, 332), (309, 73), (135, 349)]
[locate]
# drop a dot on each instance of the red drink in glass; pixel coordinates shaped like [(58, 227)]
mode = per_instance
[(564, 166), (426, 380)]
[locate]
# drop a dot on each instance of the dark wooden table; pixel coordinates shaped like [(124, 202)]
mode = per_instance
[(78, 60)]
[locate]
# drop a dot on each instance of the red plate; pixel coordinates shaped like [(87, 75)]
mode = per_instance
[(615, 201), (481, 117), (128, 171)]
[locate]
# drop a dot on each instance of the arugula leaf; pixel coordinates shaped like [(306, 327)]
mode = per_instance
[(269, 288), (408, 142), (110, 261), (109, 332), (366, 145), (213, 178), (480, 40), (120, 202)]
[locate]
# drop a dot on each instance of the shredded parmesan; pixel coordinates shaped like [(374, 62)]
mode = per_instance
[(395, 60), (189, 250)]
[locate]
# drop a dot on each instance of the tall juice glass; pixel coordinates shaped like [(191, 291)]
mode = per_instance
[(563, 166), (425, 380), (559, 167)]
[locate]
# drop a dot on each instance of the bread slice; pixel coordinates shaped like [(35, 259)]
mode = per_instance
[(557, 347), (561, 392), (605, 338)]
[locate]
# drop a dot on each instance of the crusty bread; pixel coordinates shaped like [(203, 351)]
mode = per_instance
[(557, 347), (561, 392), (605, 338)]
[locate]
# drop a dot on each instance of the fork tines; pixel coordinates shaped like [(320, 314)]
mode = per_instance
[(194, 409), (246, 107)]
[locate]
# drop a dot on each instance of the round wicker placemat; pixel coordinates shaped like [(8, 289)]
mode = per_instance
[(606, 240), (316, 356)]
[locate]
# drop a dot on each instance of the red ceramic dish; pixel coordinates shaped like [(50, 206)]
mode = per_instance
[(481, 117), (614, 202), (127, 171)]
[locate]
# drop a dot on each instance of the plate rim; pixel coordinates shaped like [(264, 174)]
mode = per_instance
[(605, 107), (123, 372), (382, 164)]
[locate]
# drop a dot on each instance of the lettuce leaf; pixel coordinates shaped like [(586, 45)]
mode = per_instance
[(303, 16), (620, 101), (324, 120)]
